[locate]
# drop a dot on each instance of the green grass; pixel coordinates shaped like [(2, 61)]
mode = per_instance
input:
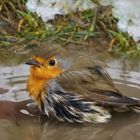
[(19, 27)]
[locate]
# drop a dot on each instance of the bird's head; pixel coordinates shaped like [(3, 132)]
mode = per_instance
[(44, 69), (46, 63)]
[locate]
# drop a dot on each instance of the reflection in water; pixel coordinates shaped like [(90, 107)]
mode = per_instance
[(52, 130), (20, 119), (85, 131)]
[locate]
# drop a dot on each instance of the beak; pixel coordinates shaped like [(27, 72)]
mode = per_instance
[(33, 62)]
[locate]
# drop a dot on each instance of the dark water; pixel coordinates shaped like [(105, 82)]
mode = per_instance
[(19, 120)]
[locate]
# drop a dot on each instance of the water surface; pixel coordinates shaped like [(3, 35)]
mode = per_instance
[(19, 119)]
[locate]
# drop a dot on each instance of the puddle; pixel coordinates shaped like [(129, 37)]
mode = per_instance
[(18, 120)]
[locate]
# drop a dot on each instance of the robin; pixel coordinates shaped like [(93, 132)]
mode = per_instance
[(84, 95)]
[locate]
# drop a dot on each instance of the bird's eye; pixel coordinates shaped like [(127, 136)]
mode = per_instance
[(52, 62)]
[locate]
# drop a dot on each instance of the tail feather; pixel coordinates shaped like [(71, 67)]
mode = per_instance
[(136, 109), (135, 106)]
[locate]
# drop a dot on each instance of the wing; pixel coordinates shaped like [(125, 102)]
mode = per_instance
[(92, 84)]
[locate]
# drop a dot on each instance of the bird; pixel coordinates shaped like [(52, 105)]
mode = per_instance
[(76, 96)]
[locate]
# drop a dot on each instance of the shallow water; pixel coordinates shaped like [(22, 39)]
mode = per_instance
[(19, 120)]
